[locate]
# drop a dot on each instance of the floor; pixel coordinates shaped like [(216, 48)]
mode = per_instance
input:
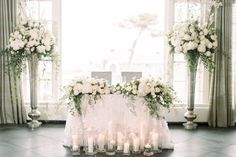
[(19, 141)]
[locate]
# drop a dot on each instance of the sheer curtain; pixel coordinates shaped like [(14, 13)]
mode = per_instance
[(11, 104), (222, 109)]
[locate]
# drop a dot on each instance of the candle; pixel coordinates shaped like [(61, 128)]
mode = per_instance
[(90, 144), (111, 144), (101, 142), (148, 146), (126, 148), (142, 143), (75, 140), (155, 141), (75, 148), (136, 144), (110, 129), (119, 141), (143, 131)]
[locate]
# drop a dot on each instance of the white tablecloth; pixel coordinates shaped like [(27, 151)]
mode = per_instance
[(122, 114)]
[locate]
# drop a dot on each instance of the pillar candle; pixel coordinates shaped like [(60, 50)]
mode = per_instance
[(101, 141), (155, 140), (119, 141), (75, 140), (136, 144), (90, 144), (126, 147), (142, 142)]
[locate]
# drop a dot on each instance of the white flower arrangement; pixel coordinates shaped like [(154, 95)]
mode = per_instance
[(85, 86), (154, 92), (193, 40), (30, 37)]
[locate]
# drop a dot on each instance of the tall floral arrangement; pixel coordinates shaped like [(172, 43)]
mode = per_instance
[(30, 37), (91, 87)]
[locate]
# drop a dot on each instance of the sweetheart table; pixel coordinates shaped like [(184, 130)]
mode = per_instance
[(116, 113)]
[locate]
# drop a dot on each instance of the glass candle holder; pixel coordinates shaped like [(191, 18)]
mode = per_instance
[(90, 146), (136, 145), (120, 142), (111, 147), (126, 148), (75, 148), (90, 142), (101, 143), (155, 142), (148, 150)]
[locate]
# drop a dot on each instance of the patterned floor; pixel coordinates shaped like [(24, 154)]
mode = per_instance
[(19, 141)]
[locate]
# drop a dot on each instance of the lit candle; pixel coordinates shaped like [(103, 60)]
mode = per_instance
[(75, 140), (148, 146), (111, 144), (142, 143), (143, 131), (126, 148), (110, 130), (75, 148), (119, 141), (101, 142), (136, 144), (155, 141), (90, 144)]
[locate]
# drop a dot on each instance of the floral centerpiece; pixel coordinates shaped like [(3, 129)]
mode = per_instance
[(29, 38), (154, 92), (91, 87)]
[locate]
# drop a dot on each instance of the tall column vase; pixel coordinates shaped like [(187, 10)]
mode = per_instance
[(33, 77), (192, 59)]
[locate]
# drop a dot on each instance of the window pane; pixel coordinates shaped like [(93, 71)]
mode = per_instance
[(45, 10), (118, 36), (185, 11)]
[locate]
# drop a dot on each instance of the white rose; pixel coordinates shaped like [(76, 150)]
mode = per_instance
[(208, 53), (33, 33), (128, 88), (213, 37), (87, 88), (178, 49), (41, 48), (30, 43), (76, 92), (192, 45), (32, 49), (205, 31), (187, 37), (48, 48), (209, 45), (185, 48), (134, 91), (157, 90), (202, 37), (215, 44), (107, 90), (201, 48)]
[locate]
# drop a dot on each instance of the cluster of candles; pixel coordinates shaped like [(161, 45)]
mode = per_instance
[(119, 142)]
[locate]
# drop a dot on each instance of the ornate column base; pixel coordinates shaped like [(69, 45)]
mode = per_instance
[(34, 115), (190, 116)]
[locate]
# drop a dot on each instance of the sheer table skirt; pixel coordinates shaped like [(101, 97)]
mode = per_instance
[(117, 113)]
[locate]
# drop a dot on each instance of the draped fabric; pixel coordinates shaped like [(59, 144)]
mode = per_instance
[(221, 113), (11, 104)]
